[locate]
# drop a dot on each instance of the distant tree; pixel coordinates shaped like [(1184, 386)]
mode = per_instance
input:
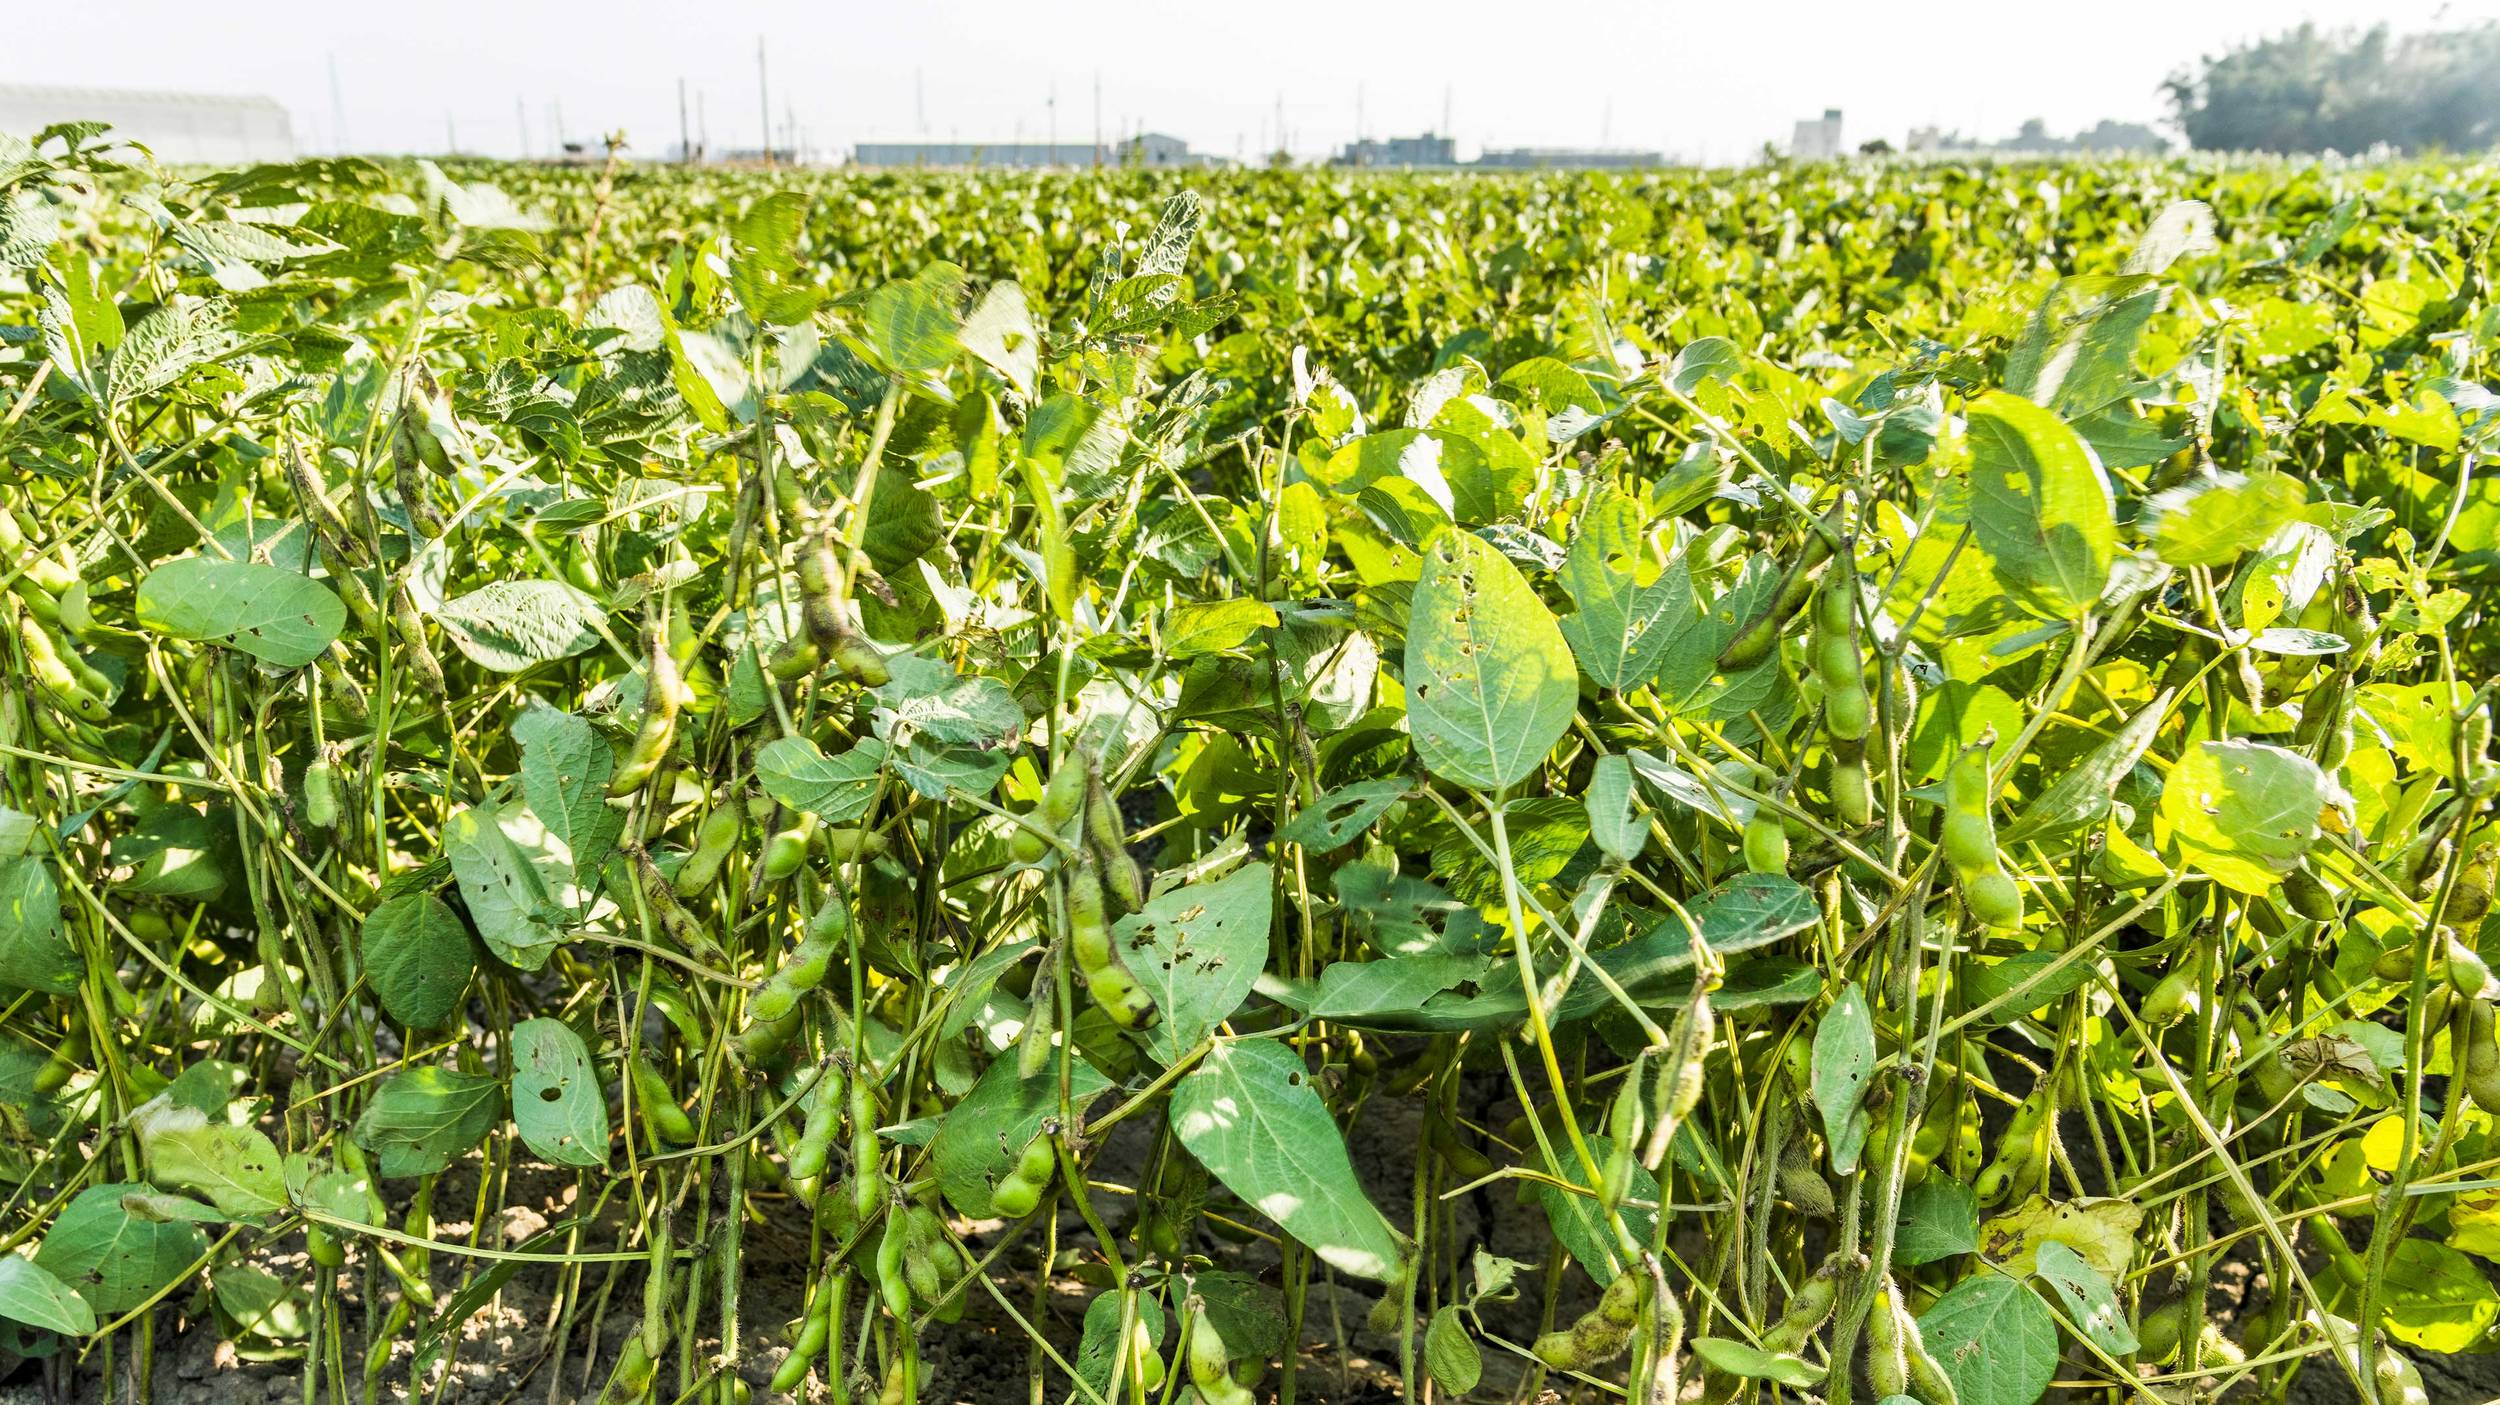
[(1877, 147), (2106, 135), (2312, 90)]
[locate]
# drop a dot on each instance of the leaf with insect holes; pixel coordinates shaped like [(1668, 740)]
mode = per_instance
[(2243, 813), (1628, 607), (1844, 1062), (1249, 1114), (556, 1098), (115, 1251), (1994, 1338), (1197, 950), (274, 615), (1490, 685)]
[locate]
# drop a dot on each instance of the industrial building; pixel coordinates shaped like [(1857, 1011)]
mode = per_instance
[(1430, 149), (1568, 158), (1149, 149), (1817, 138), (180, 128)]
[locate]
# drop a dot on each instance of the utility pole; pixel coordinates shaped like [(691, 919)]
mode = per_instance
[(451, 135), (338, 108), (702, 127), (1051, 106), (919, 104), (1358, 121), (685, 139), (1281, 145), (521, 123), (764, 101), (1446, 129), (1097, 117), (556, 109)]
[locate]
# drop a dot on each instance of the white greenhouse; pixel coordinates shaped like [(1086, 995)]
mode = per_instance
[(181, 128)]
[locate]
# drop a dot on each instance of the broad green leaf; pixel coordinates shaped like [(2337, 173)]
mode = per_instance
[(1628, 607), (1577, 1222), (1737, 1359), (979, 1138), (1490, 686), (1357, 992), (1939, 1219), (2243, 813), (1343, 813), (1995, 1339), (2039, 505), (2436, 1298), (1198, 949), (565, 767), (113, 1258), (507, 897), (834, 789), (511, 625), (34, 954), (275, 616), (2213, 520), (1450, 1355), (1617, 825), (1704, 359), (1249, 1114), (936, 703), (1100, 1341), (29, 1293), (556, 1098), (764, 255), (417, 957), (909, 324), (2083, 794), (237, 1168), (1844, 1062), (1000, 331), (2090, 1304), (423, 1119), (1209, 627)]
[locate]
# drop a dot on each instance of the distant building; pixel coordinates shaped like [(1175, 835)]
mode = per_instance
[(1429, 149), (1150, 149), (180, 128), (1817, 138), (2033, 138), (1568, 158)]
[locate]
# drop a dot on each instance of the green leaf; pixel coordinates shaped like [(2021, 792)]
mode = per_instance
[(1355, 992), (1628, 607), (1198, 949), (1249, 1114), (2083, 794), (556, 1098), (1211, 627), (2243, 813), (423, 1119), (936, 703), (1100, 1342), (2039, 505), (833, 789), (417, 958), (2212, 521), (506, 895), (237, 1168), (511, 625), (999, 330), (1737, 1359), (1939, 1219), (2090, 1305), (276, 616), (1578, 1224), (1704, 359), (1450, 1355), (763, 256), (113, 1258), (2436, 1298), (565, 767), (910, 323), (1490, 686), (1844, 1062), (29, 1293), (1337, 817), (1617, 825), (979, 1138), (1995, 1340), (34, 955)]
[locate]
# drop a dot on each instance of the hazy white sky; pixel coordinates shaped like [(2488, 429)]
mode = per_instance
[(1699, 79)]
